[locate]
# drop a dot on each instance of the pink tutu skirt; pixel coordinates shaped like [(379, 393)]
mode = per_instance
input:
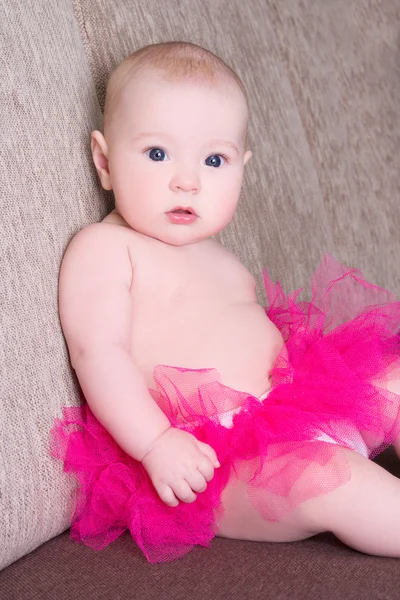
[(329, 391)]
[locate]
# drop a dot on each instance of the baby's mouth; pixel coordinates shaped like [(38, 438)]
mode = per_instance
[(183, 210), (182, 215)]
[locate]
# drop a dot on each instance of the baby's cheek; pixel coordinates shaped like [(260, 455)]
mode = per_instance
[(225, 206)]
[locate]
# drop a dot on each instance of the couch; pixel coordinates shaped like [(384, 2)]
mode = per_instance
[(323, 80)]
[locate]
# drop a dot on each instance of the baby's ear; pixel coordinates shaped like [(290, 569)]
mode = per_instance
[(100, 159), (247, 156)]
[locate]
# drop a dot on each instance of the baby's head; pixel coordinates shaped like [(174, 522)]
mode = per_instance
[(175, 135)]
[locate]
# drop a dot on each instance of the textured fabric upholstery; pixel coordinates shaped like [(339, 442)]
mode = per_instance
[(48, 192)]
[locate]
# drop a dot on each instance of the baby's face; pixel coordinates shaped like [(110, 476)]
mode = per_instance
[(177, 145)]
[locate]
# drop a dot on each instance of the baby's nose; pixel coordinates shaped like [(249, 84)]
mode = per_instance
[(186, 182)]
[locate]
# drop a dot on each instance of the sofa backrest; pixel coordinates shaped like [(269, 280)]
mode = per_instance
[(48, 106)]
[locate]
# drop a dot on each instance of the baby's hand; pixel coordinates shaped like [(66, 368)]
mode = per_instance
[(179, 465)]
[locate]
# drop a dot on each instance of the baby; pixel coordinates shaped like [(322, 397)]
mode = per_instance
[(149, 286)]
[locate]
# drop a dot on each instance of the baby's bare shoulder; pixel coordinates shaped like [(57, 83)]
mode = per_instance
[(94, 288), (226, 260), (98, 243)]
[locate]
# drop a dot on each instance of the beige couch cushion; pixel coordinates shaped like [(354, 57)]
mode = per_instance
[(48, 192), (299, 194), (342, 60)]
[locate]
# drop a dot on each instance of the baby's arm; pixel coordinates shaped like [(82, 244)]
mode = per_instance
[(95, 312)]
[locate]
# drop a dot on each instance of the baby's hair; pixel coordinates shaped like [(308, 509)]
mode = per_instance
[(175, 61)]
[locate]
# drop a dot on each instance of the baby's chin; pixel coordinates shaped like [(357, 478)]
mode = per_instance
[(180, 238), (176, 235)]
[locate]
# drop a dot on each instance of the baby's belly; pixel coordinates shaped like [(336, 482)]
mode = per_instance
[(239, 341)]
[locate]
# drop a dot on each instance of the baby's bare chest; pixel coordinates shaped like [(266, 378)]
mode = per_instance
[(199, 310)]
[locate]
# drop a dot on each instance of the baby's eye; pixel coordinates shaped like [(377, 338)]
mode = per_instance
[(156, 154), (214, 160)]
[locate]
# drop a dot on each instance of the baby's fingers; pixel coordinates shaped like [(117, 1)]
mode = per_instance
[(209, 452), (167, 495), (197, 481), (205, 467), (184, 492)]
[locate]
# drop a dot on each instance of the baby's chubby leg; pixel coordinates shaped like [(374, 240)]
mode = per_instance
[(241, 521), (364, 513)]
